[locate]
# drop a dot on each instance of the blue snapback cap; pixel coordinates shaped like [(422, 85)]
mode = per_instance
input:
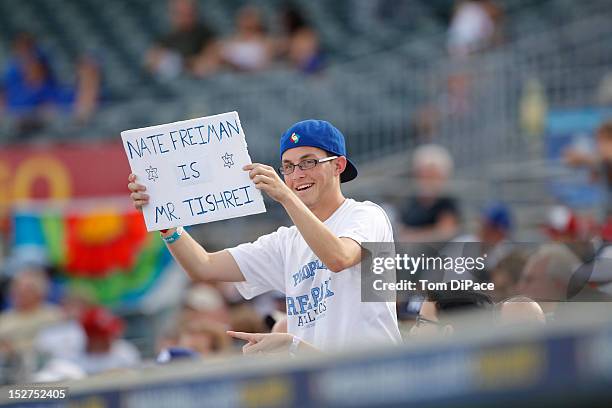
[(321, 134)]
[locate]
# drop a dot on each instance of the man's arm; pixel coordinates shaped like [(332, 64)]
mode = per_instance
[(193, 258), (202, 265), (336, 253)]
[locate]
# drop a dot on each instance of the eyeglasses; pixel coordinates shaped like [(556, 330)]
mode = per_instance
[(422, 321), (288, 168)]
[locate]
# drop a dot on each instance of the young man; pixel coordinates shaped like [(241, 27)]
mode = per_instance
[(315, 262)]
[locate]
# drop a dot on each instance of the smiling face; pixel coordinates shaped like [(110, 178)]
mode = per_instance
[(318, 184)]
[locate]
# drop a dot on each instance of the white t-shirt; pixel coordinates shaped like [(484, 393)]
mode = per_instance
[(323, 308)]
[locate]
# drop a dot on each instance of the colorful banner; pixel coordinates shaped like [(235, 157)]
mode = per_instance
[(59, 198), (103, 250)]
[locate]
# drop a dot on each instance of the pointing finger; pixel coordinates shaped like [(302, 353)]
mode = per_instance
[(250, 337)]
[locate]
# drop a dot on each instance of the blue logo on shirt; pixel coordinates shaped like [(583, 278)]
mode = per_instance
[(307, 271), (308, 306)]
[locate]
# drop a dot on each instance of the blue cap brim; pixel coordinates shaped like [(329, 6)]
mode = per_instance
[(349, 173)]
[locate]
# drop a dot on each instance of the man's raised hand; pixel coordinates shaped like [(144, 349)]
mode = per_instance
[(138, 195), (266, 179)]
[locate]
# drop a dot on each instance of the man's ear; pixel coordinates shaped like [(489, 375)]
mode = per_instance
[(340, 164)]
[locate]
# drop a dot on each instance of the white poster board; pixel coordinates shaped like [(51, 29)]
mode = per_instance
[(193, 171)]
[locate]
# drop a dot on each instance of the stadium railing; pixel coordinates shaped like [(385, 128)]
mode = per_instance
[(566, 363)]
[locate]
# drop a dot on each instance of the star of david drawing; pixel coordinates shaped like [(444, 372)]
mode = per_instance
[(228, 160), (152, 173)]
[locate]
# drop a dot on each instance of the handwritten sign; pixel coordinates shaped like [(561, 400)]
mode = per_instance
[(193, 171)]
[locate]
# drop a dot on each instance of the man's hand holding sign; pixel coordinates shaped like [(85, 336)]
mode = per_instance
[(266, 180)]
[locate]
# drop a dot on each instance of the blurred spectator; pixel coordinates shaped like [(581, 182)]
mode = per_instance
[(453, 102), (554, 274), (456, 100), (495, 224), (32, 94), (566, 227), (563, 224), (600, 163), (30, 312), (66, 338), (33, 257), (495, 232), (168, 337), (520, 310), (204, 337), (439, 311), (244, 318), (58, 370), (249, 48), (189, 47), (104, 350), (204, 302), (300, 42), (563, 283), (204, 319), (256, 315), (506, 274), (430, 215), (475, 26)]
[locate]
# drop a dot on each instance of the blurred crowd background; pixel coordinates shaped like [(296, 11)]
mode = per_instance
[(477, 120)]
